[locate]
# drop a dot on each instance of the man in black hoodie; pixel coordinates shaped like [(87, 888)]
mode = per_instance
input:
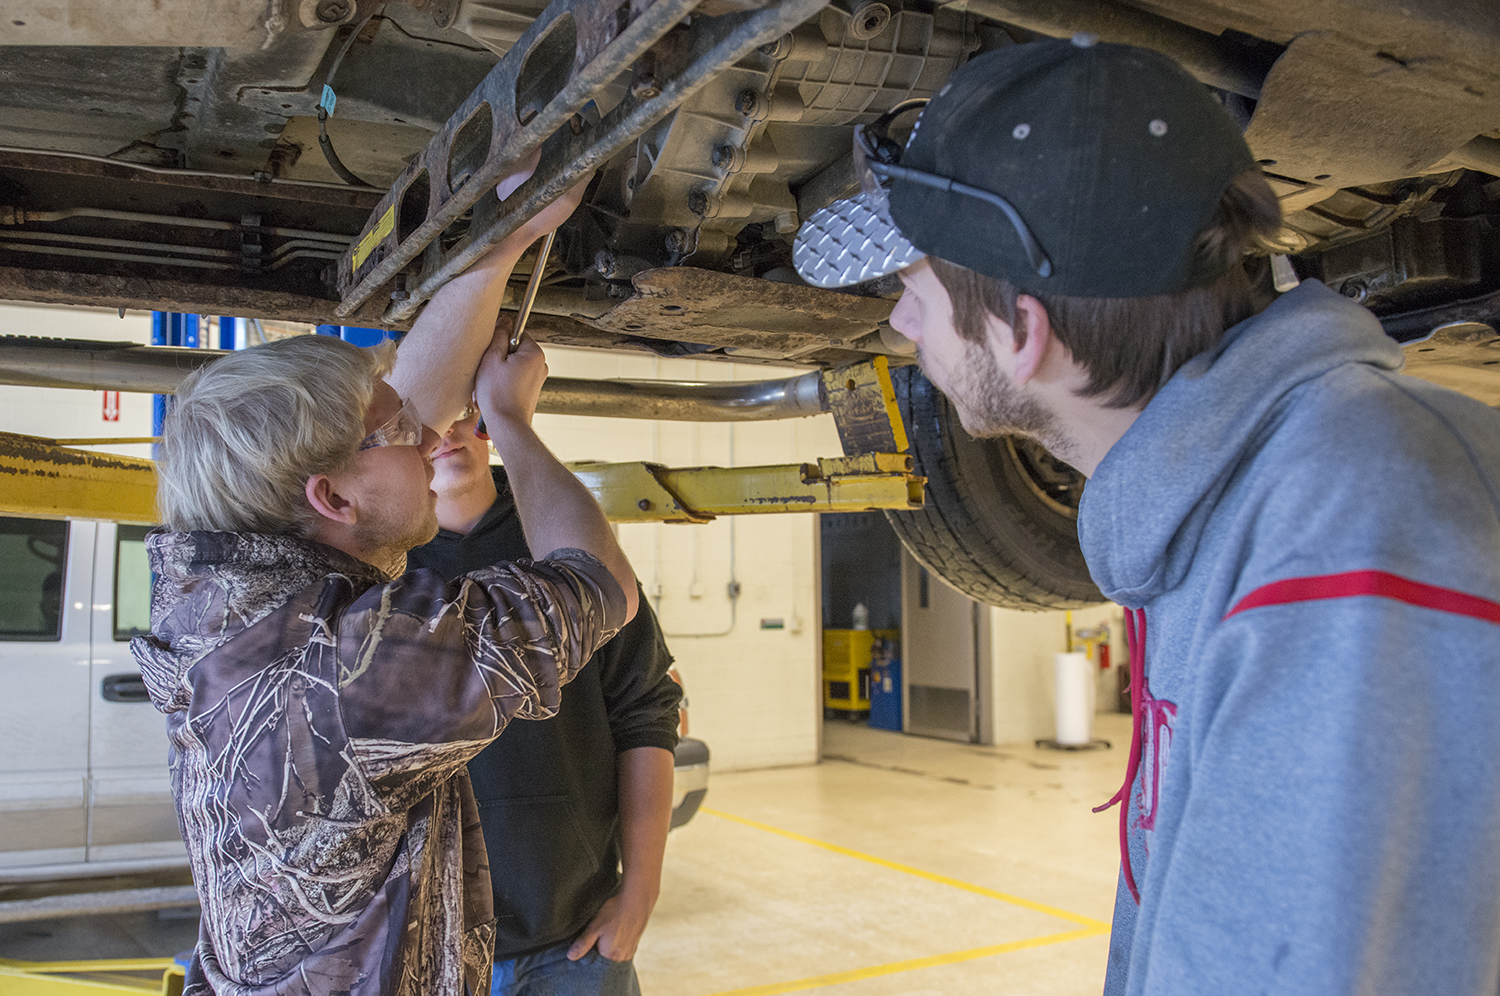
[(564, 802)]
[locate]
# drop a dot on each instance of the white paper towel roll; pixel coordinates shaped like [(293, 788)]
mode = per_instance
[(1075, 698)]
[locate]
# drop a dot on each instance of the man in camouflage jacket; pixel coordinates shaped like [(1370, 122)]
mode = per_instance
[(321, 702), (320, 729)]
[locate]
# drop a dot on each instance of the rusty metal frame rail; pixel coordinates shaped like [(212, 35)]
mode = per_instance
[(602, 49)]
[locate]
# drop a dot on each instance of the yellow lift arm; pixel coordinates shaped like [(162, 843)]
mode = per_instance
[(137, 976), (648, 492), (43, 479), (40, 478)]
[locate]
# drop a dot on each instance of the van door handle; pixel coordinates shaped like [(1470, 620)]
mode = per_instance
[(124, 688)]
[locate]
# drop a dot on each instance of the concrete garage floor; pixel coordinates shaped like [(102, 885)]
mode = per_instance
[(901, 865)]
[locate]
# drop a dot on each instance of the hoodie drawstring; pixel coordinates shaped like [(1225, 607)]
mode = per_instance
[(1135, 640)]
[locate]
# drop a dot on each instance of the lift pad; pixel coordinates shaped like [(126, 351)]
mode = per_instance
[(45, 480), (862, 398)]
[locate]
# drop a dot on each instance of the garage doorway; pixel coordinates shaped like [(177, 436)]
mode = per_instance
[(941, 637)]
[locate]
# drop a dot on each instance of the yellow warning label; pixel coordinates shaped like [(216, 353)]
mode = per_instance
[(369, 242)]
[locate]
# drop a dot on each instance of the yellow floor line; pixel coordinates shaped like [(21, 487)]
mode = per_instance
[(1094, 925), (855, 975)]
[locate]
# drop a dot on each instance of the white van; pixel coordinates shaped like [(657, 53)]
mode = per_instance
[(84, 788), (83, 754)]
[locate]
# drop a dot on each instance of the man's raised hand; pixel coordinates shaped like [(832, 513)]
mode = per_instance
[(509, 384)]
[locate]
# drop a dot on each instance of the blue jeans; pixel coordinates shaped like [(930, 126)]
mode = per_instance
[(549, 973)]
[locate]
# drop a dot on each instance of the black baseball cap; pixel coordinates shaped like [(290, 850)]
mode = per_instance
[(1110, 159)]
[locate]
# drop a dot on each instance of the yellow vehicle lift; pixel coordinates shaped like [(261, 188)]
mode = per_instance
[(79, 978), (648, 492), (42, 479), (46, 480)]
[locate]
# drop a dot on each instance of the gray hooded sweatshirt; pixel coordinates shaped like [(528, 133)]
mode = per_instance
[(1307, 543)]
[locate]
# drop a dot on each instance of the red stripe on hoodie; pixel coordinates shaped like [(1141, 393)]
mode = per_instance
[(1379, 584)]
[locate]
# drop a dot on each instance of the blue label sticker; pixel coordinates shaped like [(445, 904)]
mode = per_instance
[(329, 99)]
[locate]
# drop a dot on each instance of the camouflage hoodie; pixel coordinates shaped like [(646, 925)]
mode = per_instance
[(320, 717)]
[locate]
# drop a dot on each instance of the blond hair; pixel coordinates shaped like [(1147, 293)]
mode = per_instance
[(247, 431)]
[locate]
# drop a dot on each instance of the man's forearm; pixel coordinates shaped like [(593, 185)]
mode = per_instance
[(435, 365), (555, 509), (645, 791), (436, 361), (645, 818)]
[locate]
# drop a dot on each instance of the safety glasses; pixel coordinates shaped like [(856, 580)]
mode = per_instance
[(402, 429), (470, 411), (877, 162)]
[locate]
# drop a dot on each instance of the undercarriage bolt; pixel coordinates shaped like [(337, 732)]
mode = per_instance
[(746, 102), (644, 504), (604, 262), (698, 202), (644, 86), (728, 158), (1355, 290), (868, 20), (333, 11), (778, 49), (677, 240)]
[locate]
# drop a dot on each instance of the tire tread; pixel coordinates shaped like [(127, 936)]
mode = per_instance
[(949, 540)]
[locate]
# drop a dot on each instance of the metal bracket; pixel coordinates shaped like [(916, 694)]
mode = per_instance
[(645, 492), (633, 492), (570, 53)]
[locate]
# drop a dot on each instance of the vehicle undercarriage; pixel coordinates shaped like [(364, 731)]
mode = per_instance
[(333, 161)]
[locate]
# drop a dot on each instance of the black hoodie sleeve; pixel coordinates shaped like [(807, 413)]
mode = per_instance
[(641, 698)]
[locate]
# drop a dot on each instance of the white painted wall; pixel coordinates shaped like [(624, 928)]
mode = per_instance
[(57, 413), (1021, 649), (754, 690)]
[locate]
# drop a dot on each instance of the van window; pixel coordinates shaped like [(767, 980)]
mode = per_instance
[(133, 581), (33, 552)]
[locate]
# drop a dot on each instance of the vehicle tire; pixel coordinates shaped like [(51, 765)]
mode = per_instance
[(1001, 519)]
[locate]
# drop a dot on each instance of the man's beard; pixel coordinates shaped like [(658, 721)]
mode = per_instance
[(989, 404), (390, 539)]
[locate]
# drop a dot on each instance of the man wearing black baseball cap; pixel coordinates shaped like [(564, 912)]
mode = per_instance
[(1307, 543)]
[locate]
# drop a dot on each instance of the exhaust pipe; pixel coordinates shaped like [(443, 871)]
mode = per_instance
[(126, 366)]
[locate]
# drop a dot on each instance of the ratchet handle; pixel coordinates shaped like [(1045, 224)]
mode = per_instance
[(529, 298)]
